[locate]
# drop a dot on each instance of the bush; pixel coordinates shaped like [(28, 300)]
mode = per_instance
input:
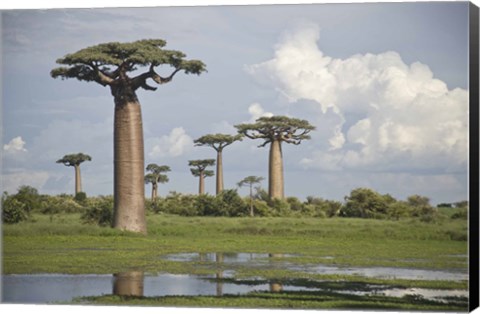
[(13, 211), (231, 204), (29, 197), (261, 208), (399, 210), (280, 208), (80, 197), (60, 204), (99, 211), (365, 203), (324, 208)]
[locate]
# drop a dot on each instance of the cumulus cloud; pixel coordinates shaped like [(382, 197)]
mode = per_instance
[(16, 145), (388, 113), (256, 111), (174, 144)]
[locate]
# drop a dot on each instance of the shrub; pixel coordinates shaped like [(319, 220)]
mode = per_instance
[(365, 203), (29, 197), (60, 204), (99, 211), (207, 205), (231, 204), (280, 208), (462, 213), (261, 208), (13, 211), (398, 210), (80, 197)]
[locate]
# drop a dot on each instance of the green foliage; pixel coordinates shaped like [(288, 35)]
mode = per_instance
[(365, 203), (229, 202), (29, 197), (217, 141), (61, 204), (108, 62), (80, 197), (13, 211), (323, 208), (282, 128), (74, 159), (99, 211)]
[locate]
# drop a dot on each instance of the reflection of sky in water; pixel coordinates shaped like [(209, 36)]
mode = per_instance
[(385, 272), (41, 289), (256, 260)]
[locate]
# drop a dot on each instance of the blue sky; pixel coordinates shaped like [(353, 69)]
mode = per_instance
[(386, 85)]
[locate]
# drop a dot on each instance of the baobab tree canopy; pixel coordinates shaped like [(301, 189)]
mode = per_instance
[(109, 63), (217, 141), (277, 128), (201, 164), (72, 160)]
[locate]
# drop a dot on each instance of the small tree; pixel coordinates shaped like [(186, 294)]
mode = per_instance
[(250, 181), (156, 176), (275, 131), (199, 170), (218, 142), (74, 160)]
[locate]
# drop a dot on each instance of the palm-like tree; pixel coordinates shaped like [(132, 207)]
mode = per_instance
[(156, 176), (74, 160), (199, 170), (250, 181), (275, 131), (218, 142)]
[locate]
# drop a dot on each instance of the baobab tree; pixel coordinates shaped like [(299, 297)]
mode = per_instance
[(117, 65), (74, 160), (275, 131), (199, 170), (250, 181), (156, 176), (218, 142)]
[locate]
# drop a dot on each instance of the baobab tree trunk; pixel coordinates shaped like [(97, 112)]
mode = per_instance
[(154, 192), (78, 180), (129, 187), (219, 172), (201, 184), (251, 200), (275, 171)]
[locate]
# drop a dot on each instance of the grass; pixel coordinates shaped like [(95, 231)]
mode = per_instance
[(62, 244)]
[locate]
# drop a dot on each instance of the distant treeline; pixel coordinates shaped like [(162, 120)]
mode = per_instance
[(361, 203)]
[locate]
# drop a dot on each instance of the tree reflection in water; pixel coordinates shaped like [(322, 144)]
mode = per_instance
[(128, 283)]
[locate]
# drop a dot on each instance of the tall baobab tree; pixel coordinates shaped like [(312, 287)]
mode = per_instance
[(250, 181), (275, 131), (74, 160), (199, 170), (156, 176), (218, 142), (116, 65)]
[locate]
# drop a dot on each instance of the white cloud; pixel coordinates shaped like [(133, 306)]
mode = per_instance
[(389, 114), (174, 144), (16, 145), (256, 111)]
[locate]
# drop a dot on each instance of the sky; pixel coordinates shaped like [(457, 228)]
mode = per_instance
[(385, 85)]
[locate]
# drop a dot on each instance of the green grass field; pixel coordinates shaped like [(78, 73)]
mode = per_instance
[(62, 244)]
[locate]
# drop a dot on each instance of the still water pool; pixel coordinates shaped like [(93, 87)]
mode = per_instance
[(63, 288)]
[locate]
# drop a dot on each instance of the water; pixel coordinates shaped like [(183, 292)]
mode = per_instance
[(281, 261), (62, 288)]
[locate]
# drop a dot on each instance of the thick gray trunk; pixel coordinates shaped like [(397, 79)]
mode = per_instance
[(275, 171), (201, 184), (129, 186), (78, 180), (219, 172)]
